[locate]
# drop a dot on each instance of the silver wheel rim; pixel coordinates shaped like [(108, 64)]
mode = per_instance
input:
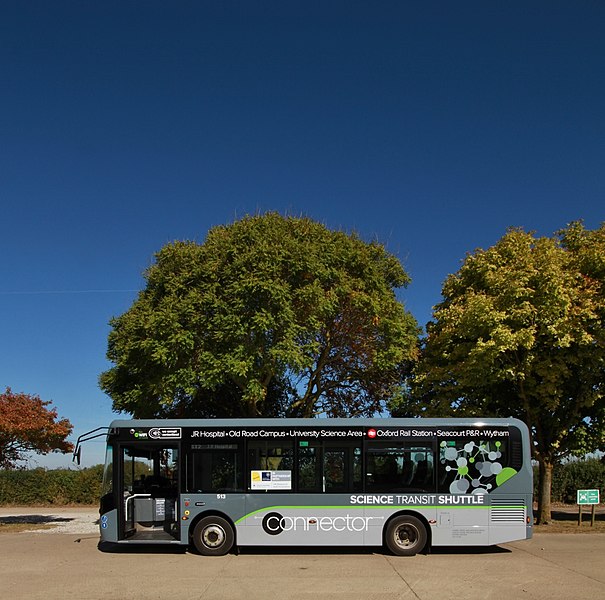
[(406, 535), (213, 536)]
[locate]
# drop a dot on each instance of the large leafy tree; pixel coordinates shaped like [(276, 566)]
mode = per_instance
[(271, 315), (520, 332), (28, 425)]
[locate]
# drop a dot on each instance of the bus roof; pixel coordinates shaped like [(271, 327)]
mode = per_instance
[(323, 422)]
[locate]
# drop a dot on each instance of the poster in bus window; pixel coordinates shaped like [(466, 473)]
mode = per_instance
[(271, 480)]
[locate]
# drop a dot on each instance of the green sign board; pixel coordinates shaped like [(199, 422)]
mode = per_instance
[(588, 497)]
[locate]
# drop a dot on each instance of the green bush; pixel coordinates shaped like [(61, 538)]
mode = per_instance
[(60, 486), (567, 478)]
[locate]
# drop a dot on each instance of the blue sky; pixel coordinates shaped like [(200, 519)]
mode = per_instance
[(430, 126)]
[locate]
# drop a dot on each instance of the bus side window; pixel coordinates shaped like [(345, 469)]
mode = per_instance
[(400, 468), (423, 478), (269, 457), (214, 468)]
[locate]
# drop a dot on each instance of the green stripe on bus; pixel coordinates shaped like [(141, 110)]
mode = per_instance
[(373, 507)]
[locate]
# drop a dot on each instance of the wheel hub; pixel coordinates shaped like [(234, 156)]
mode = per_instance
[(406, 536), (213, 536)]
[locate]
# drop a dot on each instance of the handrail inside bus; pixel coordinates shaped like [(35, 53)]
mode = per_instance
[(135, 496), (85, 437)]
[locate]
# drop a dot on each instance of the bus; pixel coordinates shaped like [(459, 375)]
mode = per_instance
[(403, 484)]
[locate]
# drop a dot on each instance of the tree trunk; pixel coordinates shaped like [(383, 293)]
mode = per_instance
[(544, 491)]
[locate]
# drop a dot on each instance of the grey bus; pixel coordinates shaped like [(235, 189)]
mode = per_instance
[(406, 484)]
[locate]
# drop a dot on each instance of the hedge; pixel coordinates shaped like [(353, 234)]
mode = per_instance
[(575, 475), (60, 486)]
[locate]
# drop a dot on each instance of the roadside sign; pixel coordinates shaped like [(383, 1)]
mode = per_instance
[(588, 497)]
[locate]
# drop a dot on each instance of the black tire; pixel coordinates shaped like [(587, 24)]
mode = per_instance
[(405, 535), (213, 536)]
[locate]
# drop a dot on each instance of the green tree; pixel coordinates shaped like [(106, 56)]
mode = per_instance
[(520, 333), (271, 315)]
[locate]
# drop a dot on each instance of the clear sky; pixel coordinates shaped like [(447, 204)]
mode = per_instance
[(431, 126)]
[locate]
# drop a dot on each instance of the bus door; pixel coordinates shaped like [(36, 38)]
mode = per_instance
[(149, 479), (329, 468), (341, 469)]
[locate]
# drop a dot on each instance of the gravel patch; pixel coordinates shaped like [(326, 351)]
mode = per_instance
[(78, 524), (76, 521)]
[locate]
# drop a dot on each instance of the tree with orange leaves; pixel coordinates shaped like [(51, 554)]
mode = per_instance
[(27, 425)]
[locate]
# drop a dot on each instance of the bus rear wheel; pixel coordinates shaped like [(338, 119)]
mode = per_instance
[(405, 535), (213, 536)]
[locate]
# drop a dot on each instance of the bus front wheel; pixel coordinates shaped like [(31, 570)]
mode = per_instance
[(213, 536), (405, 535)]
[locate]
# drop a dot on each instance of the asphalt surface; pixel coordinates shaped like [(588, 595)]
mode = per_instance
[(70, 565)]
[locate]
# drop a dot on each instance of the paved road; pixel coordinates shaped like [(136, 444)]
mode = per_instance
[(60, 565)]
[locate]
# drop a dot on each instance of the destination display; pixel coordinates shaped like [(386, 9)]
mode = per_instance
[(370, 433), (314, 432)]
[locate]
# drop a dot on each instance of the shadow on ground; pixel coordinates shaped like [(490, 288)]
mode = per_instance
[(572, 515), (34, 520), (113, 548)]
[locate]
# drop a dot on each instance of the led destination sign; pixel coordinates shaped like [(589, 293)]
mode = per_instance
[(278, 433), (440, 433), (346, 433), (314, 433)]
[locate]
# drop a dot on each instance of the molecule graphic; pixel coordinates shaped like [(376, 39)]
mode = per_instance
[(476, 466)]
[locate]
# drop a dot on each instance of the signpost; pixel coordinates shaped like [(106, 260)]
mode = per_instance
[(587, 498)]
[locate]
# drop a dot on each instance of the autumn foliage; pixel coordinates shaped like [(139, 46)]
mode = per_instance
[(27, 425)]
